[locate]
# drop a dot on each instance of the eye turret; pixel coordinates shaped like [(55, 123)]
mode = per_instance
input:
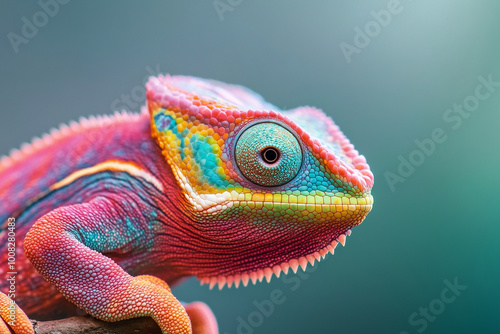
[(268, 154)]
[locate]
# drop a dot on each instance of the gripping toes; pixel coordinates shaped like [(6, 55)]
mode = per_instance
[(14, 317), (155, 301), (202, 319)]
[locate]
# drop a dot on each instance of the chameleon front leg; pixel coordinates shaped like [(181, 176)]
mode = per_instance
[(65, 247)]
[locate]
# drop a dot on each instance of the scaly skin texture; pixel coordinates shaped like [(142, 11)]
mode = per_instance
[(210, 181)]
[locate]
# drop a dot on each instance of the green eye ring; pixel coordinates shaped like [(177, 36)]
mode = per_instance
[(268, 154)]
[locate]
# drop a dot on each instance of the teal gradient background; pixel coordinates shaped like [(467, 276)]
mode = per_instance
[(441, 223)]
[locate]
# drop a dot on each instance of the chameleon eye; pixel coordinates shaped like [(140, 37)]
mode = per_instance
[(268, 154)]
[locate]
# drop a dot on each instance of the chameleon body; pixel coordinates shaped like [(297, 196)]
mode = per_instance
[(208, 180)]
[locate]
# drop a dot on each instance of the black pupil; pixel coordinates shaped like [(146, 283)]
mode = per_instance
[(270, 155)]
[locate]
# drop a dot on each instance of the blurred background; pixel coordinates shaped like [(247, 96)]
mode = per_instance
[(390, 73)]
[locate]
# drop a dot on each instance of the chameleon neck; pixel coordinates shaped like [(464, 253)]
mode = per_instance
[(73, 152)]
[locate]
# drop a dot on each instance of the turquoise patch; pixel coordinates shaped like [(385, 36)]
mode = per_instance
[(164, 122)]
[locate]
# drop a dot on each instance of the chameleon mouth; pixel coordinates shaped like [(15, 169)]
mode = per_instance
[(341, 208), (276, 270)]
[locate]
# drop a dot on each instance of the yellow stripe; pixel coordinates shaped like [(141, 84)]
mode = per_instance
[(112, 165)]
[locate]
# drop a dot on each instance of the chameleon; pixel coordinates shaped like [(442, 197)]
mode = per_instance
[(207, 180)]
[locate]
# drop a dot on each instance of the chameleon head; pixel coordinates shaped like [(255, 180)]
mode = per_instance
[(267, 189)]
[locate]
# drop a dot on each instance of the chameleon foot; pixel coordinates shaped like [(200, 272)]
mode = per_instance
[(202, 319)]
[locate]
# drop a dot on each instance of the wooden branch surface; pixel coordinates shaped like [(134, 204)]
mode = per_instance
[(89, 325)]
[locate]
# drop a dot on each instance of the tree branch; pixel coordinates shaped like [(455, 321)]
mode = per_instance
[(81, 325)]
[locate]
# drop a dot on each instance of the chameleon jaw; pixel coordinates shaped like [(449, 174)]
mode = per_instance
[(342, 213), (268, 272)]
